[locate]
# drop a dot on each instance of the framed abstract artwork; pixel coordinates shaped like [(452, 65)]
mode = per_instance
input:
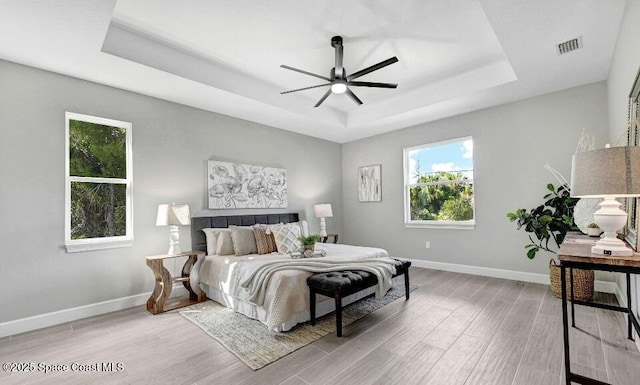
[(236, 186), (370, 183)]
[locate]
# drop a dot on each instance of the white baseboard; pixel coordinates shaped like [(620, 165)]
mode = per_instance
[(608, 287), (601, 286), (40, 321), (59, 317), (622, 298)]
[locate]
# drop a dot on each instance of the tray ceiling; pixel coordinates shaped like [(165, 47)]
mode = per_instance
[(454, 56)]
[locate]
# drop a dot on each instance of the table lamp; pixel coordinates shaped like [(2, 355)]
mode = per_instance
[(173, 215), (323, 211), (609, 173)]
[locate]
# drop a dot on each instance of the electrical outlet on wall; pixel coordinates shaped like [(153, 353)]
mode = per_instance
[(427, 244)]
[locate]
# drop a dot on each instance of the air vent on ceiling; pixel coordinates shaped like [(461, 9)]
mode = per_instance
[(569, 46)]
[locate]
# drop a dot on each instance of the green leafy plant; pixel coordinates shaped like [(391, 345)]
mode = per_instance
[(549, 221), (593, 226), (310, 240)]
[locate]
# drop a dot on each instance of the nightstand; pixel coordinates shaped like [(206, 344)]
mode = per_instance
[(326, 238), (159, 301)]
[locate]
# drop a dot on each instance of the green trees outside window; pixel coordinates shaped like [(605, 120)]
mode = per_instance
[(442, 196), (439, 184), (97, 210), (98, 179)]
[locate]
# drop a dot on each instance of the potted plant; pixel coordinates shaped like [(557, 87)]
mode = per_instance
[(549, 221), (309, 242), (552, 220), (593, 230)]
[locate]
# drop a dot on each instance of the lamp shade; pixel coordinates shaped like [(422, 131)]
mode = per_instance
[(323, 210), (611, 171), (173, 215)]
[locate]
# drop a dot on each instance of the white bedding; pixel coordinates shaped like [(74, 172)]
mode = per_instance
[(285, 298)]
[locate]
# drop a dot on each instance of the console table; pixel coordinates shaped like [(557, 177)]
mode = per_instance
[(575, 252), (159, 301)]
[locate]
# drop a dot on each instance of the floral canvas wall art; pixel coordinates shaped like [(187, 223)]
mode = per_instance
[(235, 185), (370, 183)]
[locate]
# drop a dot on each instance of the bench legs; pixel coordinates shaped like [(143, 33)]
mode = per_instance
[(312, 305), (406, 283), (338, 298), (312, 310)]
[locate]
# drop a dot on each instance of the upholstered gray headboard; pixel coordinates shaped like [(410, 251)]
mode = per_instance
[(199, 241)]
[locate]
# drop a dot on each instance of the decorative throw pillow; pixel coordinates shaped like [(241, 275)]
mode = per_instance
[(266, 242), (286, 237), (244, 242), (304, 228), (219, 241), (211, 241)]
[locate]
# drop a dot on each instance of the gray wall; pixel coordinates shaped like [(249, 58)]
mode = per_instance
[(171, 146), (624, 68), (511, 145), (173, 142)]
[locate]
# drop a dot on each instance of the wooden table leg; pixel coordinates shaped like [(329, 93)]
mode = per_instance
[(162, 289), (190, 267)]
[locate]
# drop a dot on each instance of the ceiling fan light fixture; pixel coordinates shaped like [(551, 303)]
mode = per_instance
[(339, 87), (338, 80)]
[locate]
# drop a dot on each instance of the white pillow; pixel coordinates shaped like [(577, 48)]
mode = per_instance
[(244, 240), (219, 241), (286, 237), (211, 241), (304, 228)]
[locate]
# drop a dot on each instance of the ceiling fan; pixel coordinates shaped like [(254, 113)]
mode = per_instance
[(338, 78)]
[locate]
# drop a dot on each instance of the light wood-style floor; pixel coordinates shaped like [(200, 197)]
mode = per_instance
[(455, 329)]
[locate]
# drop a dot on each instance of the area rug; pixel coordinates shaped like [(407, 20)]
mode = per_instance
[(252, 343)]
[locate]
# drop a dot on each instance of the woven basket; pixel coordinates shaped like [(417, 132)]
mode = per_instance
[(582, 282)]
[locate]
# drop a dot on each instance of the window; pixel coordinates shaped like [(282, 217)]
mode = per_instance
[(438, 180), (98, 200)]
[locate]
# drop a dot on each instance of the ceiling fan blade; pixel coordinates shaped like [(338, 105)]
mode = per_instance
[(305, 72), (374, 67), (305, 88), (322, 99), (353, 96), (372, 84)]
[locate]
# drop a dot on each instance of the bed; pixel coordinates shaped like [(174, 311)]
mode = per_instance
[(277, 295)]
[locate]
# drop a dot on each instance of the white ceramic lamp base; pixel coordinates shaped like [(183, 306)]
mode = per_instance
[(174, 241), (323, 228), (610, 218)]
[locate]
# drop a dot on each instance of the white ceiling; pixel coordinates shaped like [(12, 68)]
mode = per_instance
[(454, 56)]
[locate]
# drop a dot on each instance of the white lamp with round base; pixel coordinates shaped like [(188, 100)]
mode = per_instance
[(323, 211), (607, 173), (610, 218), (173, 215)]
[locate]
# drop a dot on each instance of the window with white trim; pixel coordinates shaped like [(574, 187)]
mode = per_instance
[(98, 191), (438, 185)]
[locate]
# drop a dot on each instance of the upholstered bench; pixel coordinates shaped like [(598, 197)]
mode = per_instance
[(339, 284)]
